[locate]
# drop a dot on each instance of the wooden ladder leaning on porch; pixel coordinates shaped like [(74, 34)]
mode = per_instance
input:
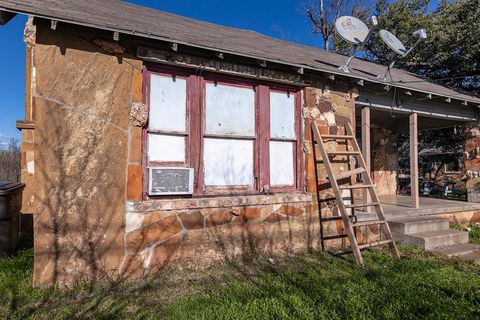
[(367, 184)]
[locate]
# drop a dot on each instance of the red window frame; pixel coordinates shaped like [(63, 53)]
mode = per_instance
[(147, 85), (196, 90)]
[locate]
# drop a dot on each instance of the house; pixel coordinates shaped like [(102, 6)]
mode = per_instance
[(113, 89)]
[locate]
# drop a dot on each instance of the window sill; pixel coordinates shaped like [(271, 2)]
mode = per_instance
[(219, 202)]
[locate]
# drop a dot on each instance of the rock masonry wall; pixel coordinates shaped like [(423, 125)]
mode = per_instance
[(86, 193)]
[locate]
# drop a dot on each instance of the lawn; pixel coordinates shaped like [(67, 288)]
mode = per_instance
[(308, 286)]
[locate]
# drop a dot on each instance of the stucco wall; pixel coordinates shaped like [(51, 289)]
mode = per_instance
[(89, 217)]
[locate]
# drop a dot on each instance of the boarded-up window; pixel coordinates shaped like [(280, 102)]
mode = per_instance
[(230, 110), (229, 135), (239, 137), (282, 138), (228, 162), (167, 125)]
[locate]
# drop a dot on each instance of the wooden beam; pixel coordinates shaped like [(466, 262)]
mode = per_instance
[(299, 70), (262, 63), (415, 198), (174, 46), (366, 149)]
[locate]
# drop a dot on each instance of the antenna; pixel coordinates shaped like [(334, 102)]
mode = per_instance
[(398, 48), (354, 31)]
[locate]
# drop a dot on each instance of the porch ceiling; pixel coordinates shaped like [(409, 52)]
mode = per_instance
[(399, 122)]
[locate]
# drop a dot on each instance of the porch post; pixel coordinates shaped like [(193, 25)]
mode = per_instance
[(366, 148), (414, 161)]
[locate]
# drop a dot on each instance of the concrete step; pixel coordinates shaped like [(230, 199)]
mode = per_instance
[(475, 257), (432, 239), (458, 250), (416, 224)]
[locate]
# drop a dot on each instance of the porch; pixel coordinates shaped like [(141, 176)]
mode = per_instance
[(396, 206)]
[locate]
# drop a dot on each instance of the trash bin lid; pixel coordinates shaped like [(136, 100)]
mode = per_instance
[(9, 187)]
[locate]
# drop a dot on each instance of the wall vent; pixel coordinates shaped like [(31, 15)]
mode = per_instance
[(170, 181)]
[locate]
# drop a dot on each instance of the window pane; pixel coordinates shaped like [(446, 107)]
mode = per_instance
[(281, 163), (168, 103), (282, 115), (230, 110), (166, 148), (228, 162)]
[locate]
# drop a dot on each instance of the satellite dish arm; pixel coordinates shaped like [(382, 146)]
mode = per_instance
[(422, 35), (374, 22)]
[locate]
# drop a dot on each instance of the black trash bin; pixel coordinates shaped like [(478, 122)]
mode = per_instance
[(10, 205)]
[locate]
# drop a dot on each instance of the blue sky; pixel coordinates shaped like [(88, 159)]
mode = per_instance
[(283, 19)]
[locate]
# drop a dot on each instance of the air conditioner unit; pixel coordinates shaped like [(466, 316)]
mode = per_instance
[(170, 181)]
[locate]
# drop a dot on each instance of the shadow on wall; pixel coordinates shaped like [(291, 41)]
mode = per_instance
[(79, 228), (82, 100)]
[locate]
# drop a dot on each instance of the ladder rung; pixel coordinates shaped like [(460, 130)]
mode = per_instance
[(367, 223), (350, 173), (356, 186), (343, 153), (373, 244), (336, 136), (334, 218), (361, 205), (336, 236)]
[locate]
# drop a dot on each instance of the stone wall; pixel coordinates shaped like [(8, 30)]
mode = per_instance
[(86, 195), (80, 100), (384, 159), (472, 163)]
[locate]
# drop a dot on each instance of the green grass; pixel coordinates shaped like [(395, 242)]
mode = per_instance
[(473, 231), (309, 286)]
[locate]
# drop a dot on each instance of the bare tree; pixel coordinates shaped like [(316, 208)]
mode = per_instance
[(10, 160), (323, 13)]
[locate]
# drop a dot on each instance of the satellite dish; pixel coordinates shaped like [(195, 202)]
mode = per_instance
[(354, 31), (397, 46), (393, 43)]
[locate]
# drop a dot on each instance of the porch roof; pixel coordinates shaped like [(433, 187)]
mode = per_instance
[(122, 17)]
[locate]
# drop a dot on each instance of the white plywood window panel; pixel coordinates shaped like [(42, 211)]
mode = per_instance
[(166, 148), (230, 110), (282, 116), (168, 101), (281, 163), (228, 162)]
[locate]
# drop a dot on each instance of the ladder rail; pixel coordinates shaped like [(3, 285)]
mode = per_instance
[(378, 208), (343, 210)]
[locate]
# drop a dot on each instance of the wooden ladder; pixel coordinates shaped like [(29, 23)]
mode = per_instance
[(350, 226)]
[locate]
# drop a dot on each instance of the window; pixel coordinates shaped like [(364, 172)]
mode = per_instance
[(239, 136), (453, 166), (167, 126), (282, 139), (229, 136)]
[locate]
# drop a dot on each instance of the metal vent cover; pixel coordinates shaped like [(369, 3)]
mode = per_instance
[(170, 181)]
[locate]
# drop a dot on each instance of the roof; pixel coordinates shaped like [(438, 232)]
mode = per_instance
[(150, 23)]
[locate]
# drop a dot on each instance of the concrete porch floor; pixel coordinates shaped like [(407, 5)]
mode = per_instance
[(397, 206)]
